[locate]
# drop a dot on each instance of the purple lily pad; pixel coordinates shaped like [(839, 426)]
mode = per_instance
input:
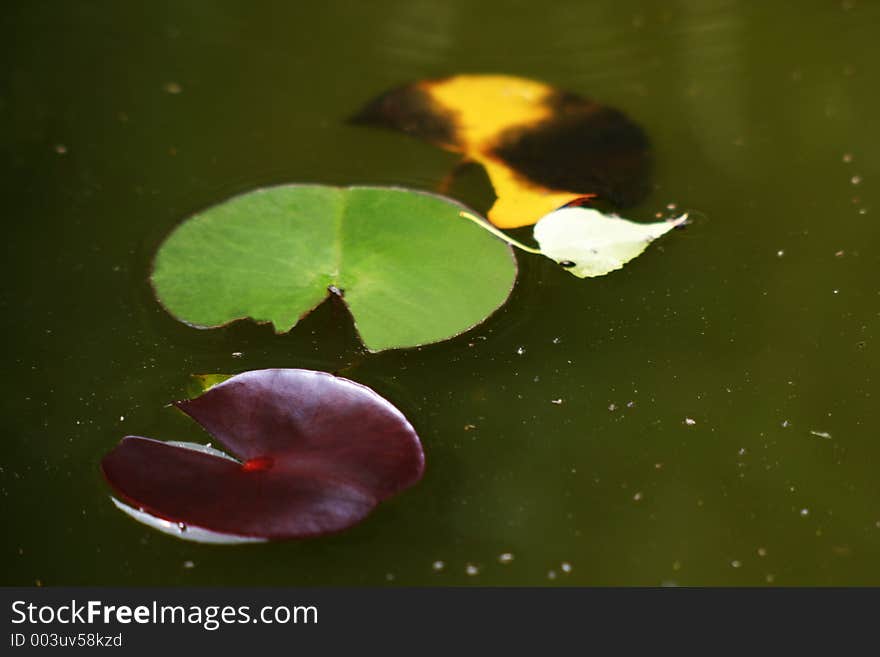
[(314, 454)]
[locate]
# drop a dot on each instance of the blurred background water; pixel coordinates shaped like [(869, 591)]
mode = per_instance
[(707, 415)]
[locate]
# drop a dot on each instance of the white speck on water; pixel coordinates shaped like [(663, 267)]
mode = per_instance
[(122, 418), (847, 158), (556, 401), (786, 424), (690, 421), (471, 569), (780, 253), (389, 577), (770, 578), (189, 564), (505, 558), (520, 350), (637, 497), (556, 341), (742, 451), (762, 552), (856, 180), (565, 566), (612, 407), (736, 563), (820, 434), (804, 512), (237, 354), (551, 574), (438, 566)]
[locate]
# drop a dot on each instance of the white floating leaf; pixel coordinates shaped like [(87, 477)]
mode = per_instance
[(589, 243)]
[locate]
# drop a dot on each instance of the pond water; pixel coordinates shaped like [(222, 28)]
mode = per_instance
[(707, 415)]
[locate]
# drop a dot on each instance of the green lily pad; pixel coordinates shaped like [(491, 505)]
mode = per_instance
[(410, 269)]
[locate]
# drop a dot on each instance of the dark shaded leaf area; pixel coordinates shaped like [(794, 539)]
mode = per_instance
[(583, 147), (316, 454)]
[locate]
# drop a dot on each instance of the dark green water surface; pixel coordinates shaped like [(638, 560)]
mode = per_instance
[(760, 322)]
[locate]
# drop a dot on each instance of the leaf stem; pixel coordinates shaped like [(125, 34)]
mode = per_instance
[(497, 233)]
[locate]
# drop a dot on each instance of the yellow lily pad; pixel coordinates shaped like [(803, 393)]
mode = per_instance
[(540, 146)]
